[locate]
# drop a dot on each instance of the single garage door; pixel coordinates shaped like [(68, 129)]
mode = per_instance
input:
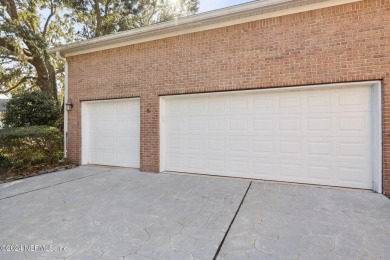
[(111, 132), (318, 135)]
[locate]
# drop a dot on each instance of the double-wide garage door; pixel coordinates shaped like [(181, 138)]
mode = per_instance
[(317, 136)]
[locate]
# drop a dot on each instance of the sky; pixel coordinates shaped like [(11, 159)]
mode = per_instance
[(209, 5), (205, 6)]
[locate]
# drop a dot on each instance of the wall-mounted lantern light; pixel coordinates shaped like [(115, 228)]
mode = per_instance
[(69, 104)]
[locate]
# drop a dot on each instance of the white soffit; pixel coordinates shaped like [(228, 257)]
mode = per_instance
[(249, 12)]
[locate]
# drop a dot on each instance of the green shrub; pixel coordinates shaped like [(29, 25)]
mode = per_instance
[(4, 163), (31, 108), (23, 147)]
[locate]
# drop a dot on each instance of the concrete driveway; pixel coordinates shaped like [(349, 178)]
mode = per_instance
[(106, 213)]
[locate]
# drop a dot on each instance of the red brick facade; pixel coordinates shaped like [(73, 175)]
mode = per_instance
[(337, 44)]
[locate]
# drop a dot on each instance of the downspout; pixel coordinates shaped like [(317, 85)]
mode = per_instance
[(65, 100)]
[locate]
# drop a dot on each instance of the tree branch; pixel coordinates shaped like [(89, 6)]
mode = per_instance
[(152, 14), (59, 71), (106, 8), (24, 79), (8, 46), (52, 12), (11, 48), (98, 18), (10, 6)]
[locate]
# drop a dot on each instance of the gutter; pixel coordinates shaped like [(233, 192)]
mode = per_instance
[(244, 13), (65, 100)]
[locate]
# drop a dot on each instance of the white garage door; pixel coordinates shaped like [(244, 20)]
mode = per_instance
[(317, 135), (111, 132)]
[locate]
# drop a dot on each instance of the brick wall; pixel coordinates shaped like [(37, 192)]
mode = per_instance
[(337, 44)]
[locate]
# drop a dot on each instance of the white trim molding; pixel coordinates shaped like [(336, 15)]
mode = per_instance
[(65, 101), (377, 137), (239, 14)]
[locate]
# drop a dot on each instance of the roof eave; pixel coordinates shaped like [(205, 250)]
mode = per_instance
[(252, 11)]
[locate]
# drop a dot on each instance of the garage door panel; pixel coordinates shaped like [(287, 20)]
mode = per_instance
[(102, 157), (95, 155), (194, 125), (262, 147), (175, 145), (319, 101), (175, 125), (355, 175), (322, 174), (216, 125), (354, 125), (263, 169), (127, 143), (123, 108), (111, 133), (338, 149), (215, 146), (289, 101), (195, 163), (102, 111), (357, 99), (238, 146), (216, 165), (195, 107), (319, 148), (194, 146), (290, 171), (102, 141), (320, 125), (290, 148), (262, 102), (239, 165), (238, 125), (124, 159), (175, 162), (238, 105), (122, 124), (355, 150), (101, 125), (310, 136), (214, 106), (289, 125), (263, 124)]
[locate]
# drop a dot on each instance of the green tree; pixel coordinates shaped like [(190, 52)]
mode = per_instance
[(29, 27), (31, 109), (25, 35), (101, 17)]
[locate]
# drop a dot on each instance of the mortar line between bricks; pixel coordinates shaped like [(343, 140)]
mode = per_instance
[(54, 185), (231, 223)]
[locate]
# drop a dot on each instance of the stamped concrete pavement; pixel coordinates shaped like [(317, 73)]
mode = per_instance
[(18, 187), (118, 214), (112, 213), (286, 221)]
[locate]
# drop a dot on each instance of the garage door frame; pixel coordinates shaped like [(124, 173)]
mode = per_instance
[(85, 106), (376, 103)]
